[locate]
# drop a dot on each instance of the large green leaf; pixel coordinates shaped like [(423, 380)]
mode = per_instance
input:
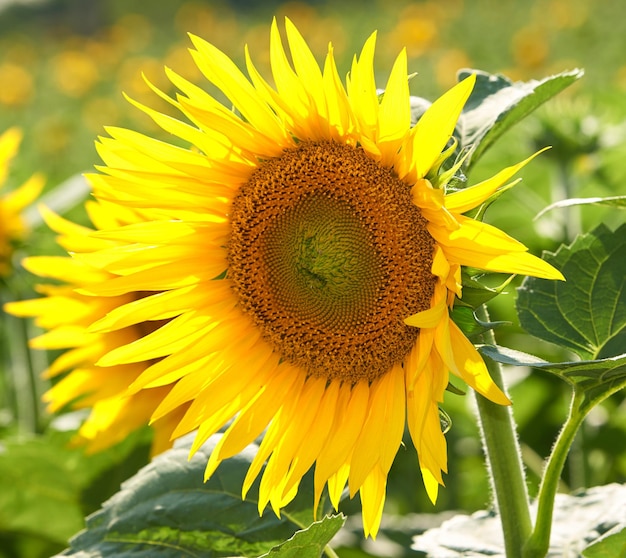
[(497, 103), (587, 312), (167, 510)]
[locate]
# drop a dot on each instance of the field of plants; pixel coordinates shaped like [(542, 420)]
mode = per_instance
[(66, 67)]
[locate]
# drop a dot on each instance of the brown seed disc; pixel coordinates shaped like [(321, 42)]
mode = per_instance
[(328, 255)]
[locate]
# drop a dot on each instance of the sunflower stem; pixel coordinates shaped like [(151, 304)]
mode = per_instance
[(330, 552), (538, 544), (503, 455)]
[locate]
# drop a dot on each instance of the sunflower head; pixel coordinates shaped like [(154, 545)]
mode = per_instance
[(12, 225), (298, 263), (326, 268)]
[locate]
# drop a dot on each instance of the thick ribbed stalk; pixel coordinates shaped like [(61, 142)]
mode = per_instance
[(503, 456)]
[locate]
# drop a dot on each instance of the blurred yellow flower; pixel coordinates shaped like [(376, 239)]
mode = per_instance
[(74, 72), (530, 47), (297, 266), (12, 225), (17, 85)]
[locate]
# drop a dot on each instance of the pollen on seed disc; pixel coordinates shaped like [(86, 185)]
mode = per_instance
[(328, 255)]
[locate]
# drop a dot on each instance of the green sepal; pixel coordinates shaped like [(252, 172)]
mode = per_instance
[(453, 389), (474, 292), (444, 421), (469, 324)]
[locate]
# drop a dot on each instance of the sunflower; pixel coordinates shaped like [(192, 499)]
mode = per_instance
[(12, 225), (67, 314), (298, 261)]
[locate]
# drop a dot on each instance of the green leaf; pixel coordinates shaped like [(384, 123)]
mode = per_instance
[(587, 312), (167, 510), (496, 104), (310, 542), (38, 493), (595, 379), (612, 201), (47, 485), (612, 544)]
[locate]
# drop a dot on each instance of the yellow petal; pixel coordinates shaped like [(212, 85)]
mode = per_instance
[(362, 89), (343, 436), (372, 447), (483, 246), (436, 125), (16, 200), (431, 484), (297, 426), (428, 318), (172, 337), (471, 197), (271, 438), (255, 417), (373, 500), (316, 437), (462, 358), (224, 73), (340, 112), (336, 484), (221, 335), (395, 111), (307, 69)]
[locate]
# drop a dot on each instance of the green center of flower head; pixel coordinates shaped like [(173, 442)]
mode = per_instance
[(317, 253), (328, 255)]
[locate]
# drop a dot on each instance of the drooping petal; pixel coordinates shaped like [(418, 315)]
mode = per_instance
[(481, 245), (462, 358)]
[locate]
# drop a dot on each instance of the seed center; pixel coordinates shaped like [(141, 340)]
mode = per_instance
[(328, 255), (320, 263)]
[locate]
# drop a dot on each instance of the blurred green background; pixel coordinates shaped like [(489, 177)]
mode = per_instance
[(65, 63)]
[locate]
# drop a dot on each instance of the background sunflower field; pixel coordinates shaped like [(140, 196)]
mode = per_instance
[(63, 67)]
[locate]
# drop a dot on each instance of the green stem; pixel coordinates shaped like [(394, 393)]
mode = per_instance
[(21, 374), (330, 552), (503, 455), (563, 190), (539, 542)]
